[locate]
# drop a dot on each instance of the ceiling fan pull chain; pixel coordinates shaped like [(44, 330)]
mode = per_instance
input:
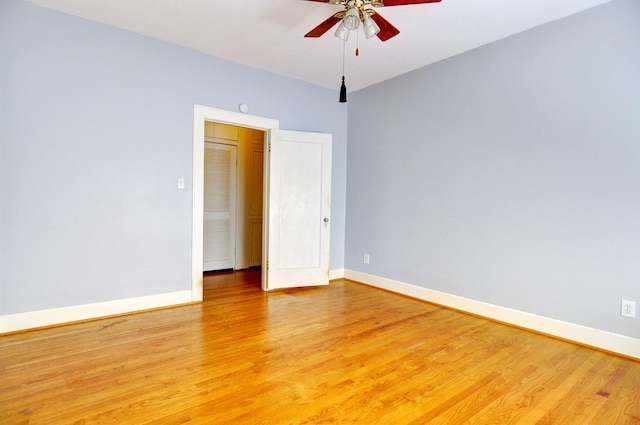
[(344, 44), (357, 44)]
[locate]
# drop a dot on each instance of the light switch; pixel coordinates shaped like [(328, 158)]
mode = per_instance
[(181, 183)]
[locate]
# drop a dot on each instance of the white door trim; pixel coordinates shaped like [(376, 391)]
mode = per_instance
[(201, 114)]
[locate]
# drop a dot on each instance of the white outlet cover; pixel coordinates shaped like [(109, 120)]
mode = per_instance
[(628, 308)]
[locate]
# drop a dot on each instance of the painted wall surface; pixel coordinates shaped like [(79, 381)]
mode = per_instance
[(509, 174), (96, 127)]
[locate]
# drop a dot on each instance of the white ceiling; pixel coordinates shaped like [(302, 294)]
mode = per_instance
[(268, 34)]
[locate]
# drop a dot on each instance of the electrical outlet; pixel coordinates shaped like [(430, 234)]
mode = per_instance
[(628, 308), (365, 259)]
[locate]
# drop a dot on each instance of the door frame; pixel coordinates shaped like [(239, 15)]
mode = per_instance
[(202, 114)]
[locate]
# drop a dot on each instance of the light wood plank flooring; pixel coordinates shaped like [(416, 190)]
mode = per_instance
[(346, 354)]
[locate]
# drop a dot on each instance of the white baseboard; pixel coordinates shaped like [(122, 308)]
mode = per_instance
[(56, 316), (336, 274), (596, 338)]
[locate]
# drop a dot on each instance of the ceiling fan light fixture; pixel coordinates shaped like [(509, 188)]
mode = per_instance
[(351, 19), (342, 32), (369, 27)]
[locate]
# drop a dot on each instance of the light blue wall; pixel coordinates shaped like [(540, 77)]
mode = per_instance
[(96, 126), (509, 174)]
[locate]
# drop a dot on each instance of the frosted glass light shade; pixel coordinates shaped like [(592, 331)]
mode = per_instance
[(351, 19), (369, 27), (342, 32)]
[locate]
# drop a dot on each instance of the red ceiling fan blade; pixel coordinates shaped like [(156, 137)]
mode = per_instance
[(323, 27), (386, 29), (403, 2)]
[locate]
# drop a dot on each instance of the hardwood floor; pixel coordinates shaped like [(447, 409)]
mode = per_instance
[(343, 354)]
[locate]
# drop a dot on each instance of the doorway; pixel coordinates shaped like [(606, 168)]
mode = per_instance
[(297, 189), (201, 115), (233, 197)]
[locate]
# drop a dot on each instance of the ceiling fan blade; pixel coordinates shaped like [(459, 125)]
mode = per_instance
[(323, 27), (403, 2), (386, 29)]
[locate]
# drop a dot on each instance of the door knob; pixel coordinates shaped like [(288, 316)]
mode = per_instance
[(326, 219)]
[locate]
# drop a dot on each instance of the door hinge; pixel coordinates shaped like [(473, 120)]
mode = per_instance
[(267, 265), (269, 147)]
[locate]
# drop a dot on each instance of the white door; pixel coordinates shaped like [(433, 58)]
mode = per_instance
[(219, 224), (297, 209)]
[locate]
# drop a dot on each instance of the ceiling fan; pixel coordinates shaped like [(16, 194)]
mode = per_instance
[(355, 11)]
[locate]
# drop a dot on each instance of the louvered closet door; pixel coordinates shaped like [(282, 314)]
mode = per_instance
[(219, 206)]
